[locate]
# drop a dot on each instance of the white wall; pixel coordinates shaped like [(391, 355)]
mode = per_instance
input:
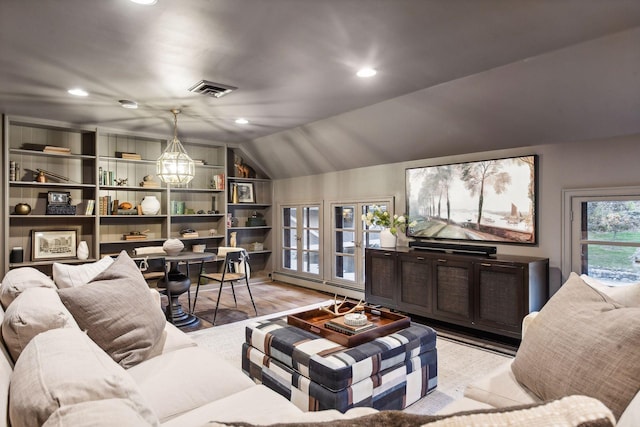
[(599, 163)]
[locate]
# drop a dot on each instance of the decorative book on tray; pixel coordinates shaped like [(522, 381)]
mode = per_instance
[(339, 324)]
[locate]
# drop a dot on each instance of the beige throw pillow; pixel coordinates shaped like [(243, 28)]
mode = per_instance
[(19, 279), (582, 342), (34, 311), (69, 275), (117, 312)]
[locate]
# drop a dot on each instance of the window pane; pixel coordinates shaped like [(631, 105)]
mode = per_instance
[(289, 259), (311, 262), (612, 263), (611, 221), (344, 217), (371, 239), (311, 239), (289, 238), (345, 267), (345, 242), (312, 217), (289, 217)]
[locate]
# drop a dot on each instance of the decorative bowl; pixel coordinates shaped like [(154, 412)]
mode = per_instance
[(355, 319)]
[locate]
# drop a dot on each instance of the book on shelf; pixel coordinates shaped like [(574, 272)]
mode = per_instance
[(190, 234), (134, 236), (56, 150), (114, 207), (132, 211), (337, 324), (128, 156), (90, 205)]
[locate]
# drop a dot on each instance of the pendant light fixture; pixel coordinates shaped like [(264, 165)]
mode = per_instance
[(175, 166)]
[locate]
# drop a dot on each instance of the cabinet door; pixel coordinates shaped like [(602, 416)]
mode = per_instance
[(453, 290), (500, 298), (416, 278), (380, 281)]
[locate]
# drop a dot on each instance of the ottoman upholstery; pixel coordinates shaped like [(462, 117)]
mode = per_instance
[(390, 372)]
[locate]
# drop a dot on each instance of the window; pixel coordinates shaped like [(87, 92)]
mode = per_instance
[(301, 239), (604, 234)]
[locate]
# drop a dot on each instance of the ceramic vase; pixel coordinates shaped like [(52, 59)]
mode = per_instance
[(83, 250), (233, 240), (387, 240), (150, 205), (173, 246)]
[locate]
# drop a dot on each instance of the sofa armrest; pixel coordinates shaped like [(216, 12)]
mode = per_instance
[(155, 295), (527, 321)]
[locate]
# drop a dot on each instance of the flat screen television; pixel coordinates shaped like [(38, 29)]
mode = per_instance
[(481, 201)]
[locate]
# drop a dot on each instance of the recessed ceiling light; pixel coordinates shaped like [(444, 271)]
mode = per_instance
[(78, 92), (145, 2), (128, 104), (242, 121), (366, 72)]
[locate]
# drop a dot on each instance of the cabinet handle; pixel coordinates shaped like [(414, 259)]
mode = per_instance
[(484, 264), (420, 258), (387, 254), (442, 260)]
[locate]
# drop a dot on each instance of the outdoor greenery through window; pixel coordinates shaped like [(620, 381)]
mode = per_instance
[(610, 240)]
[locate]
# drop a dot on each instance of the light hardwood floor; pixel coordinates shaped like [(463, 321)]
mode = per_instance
[(270, 297)]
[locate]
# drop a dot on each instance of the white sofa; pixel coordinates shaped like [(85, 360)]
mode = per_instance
[(66, 374), (574, 312)]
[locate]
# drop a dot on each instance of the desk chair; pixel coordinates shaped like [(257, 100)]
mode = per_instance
[(236, 267)]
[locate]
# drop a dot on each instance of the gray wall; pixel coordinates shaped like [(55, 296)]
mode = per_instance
[(585, 164)]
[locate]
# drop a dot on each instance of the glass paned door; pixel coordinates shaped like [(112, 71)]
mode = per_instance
[(350, 236), (301, 242)]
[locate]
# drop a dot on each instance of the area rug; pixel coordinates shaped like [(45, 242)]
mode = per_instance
[(458, 363)]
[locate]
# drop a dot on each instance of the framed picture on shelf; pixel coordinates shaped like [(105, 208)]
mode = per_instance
[(246, 192), (53, 244)]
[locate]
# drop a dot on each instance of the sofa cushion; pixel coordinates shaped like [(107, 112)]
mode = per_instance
[(6, 369), (19, 279), (572, 411), (118, 312), (35, 310), (98, 413), (63, 367), (625, 294), (172, 339), (582, 342), (194, 376), (499, 389), (69, 275)]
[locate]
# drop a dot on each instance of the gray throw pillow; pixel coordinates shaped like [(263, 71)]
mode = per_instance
[(117, 311), (582, 342)]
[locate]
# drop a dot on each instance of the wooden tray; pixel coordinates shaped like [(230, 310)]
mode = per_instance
[(386, 323)]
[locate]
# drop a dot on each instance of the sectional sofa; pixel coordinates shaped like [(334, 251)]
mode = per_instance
[(92, 348)]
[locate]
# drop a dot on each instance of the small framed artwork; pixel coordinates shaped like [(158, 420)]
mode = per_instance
[(246, 192), (53, 244)]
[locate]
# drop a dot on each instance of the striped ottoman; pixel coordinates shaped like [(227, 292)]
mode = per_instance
[(314, 373)]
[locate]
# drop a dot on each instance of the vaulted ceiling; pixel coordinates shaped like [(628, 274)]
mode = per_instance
[(453, 76)]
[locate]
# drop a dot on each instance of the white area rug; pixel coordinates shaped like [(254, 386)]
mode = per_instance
[(458, 363)]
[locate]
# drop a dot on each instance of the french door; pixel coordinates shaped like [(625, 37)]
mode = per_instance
[(350, 236), (301, 239)]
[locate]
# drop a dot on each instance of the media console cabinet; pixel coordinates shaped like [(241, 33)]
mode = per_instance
[(491, 294)]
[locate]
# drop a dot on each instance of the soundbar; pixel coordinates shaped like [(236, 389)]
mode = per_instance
[(453, 248)]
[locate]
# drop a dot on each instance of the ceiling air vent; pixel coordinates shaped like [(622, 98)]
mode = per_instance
[(205, 87)]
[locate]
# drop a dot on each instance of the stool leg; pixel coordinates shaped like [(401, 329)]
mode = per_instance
[(234, 294), (215, 313), (251, 296)]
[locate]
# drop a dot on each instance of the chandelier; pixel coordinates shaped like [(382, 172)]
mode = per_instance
[(175, 166)]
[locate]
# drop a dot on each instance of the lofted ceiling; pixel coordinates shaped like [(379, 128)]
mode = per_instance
[(454, 76)]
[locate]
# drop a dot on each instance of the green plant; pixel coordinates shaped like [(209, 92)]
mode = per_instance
[(380, 217)]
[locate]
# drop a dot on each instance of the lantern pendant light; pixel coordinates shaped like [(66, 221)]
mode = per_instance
[(175, 166)]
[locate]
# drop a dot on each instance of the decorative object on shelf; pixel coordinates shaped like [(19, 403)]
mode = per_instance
[(149, 182), (16, 255), (334, 309), (173, 246), (243, 170), (175, 166), (13, 171), (43, 175), (177, 207), (121, 182), (59, 203), (135, 235), (245, 192), (233, 240), (53, 244), (40, 177), (256, 220), (229, 218), (22, 209), (198, 248), (387, 239), (150, 205), (213, 232), (128, 156), (378, 216), (217, 181), (83, 250), (234, 194), (256, 246), (234, 221), (189, 232)]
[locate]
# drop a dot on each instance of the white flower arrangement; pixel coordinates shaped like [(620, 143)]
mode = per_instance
[(382, 218)]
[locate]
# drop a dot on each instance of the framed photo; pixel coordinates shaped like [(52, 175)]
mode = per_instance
[(246, 193), (53, 244)]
